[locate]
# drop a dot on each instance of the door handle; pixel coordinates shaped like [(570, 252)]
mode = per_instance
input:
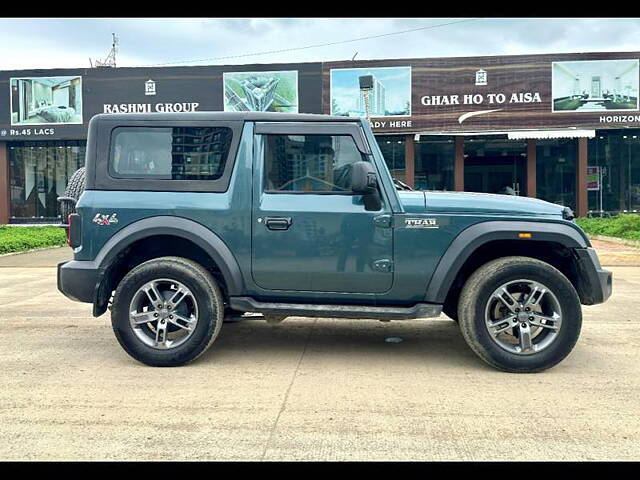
[(277, 223)]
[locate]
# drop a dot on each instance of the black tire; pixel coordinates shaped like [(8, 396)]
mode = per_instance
[(476, 294), (207, 295), (75, 187)]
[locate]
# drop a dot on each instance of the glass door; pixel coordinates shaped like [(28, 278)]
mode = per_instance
[(39, 172), (495, 165)]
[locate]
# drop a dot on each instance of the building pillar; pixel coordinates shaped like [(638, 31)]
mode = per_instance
[(531, 168), (410, 160), (581, 179), (458, 165), (5, 184)]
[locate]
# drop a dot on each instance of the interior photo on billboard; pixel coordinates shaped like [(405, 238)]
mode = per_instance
[(261, 91), (595, 85), (46, 100), (371, 92)]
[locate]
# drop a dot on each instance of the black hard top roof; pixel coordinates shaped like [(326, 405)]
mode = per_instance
[(228, 116)]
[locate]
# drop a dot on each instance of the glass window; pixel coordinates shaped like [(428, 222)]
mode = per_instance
[(435, 157), (393, 151), (617, 153), (556, 169), (495, 164), (310, 163), (39, 172), (178, 153)]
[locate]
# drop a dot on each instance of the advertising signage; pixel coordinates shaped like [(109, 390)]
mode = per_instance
[(58, 104), (439, 95), (592, 90)]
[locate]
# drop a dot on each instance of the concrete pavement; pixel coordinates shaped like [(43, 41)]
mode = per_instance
[(611, 254), (306, 389)]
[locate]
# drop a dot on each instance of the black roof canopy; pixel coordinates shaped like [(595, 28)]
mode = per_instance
[(223, 116)]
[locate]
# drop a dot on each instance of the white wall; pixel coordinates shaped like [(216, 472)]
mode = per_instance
[(61, 96)]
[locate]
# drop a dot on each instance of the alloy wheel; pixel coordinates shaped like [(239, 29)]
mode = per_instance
[(163, 313), (523, 317)]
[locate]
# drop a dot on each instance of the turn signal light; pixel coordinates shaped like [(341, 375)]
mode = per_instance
[(525, 235)]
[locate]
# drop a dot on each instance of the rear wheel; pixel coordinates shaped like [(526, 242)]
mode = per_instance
[(167, 311), (520, 314)]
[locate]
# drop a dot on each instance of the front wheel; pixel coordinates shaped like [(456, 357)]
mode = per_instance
[(519, 314), (167, 311)]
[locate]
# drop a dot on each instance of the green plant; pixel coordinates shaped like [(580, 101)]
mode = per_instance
[(20, 239), (623, 226)]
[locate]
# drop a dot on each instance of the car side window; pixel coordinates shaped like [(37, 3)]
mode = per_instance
[(170, 153), (309, 163)]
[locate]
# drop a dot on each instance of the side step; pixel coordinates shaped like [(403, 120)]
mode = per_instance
[(419, 310)]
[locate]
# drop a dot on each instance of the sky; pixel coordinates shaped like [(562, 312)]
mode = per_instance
[(69, 43)]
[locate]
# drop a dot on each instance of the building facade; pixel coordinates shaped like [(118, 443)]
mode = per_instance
[(564, 128)]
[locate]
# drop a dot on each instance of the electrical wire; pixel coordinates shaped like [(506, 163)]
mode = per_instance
[(313, 46)]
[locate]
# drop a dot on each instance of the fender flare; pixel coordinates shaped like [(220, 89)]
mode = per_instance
[(479, 234), (178, 227)]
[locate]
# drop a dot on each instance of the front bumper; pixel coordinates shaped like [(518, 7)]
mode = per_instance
[(594, 282), (77, 280)]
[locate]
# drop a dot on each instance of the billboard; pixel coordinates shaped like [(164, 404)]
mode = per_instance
[(46, 100), (371, 92), (442, 95), (59, 103), (488, 93), (275, 91), (595, 85)]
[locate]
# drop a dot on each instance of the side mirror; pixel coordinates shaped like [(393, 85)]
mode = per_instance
[(363, 178), (364, 181)]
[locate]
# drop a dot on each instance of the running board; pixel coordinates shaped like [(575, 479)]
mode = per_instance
[(419, 310)]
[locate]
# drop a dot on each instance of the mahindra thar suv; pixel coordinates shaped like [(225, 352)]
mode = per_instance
[(188, 219)]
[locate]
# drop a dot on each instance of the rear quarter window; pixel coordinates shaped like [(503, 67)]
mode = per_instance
[(170, 153)]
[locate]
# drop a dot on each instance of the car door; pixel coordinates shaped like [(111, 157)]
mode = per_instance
[(309, 231)]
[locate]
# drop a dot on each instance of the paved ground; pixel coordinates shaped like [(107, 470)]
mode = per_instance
[(617, 254), (306, 389)]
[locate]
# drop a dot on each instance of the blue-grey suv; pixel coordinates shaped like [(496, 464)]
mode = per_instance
[(187, 219)]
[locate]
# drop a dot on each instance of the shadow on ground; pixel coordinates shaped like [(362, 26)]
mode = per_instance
[(437, 341)]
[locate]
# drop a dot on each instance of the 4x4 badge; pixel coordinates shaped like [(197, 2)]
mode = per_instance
[(101, 219), (421, 223)]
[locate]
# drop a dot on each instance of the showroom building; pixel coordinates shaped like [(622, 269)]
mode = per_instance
[(564, 127)]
